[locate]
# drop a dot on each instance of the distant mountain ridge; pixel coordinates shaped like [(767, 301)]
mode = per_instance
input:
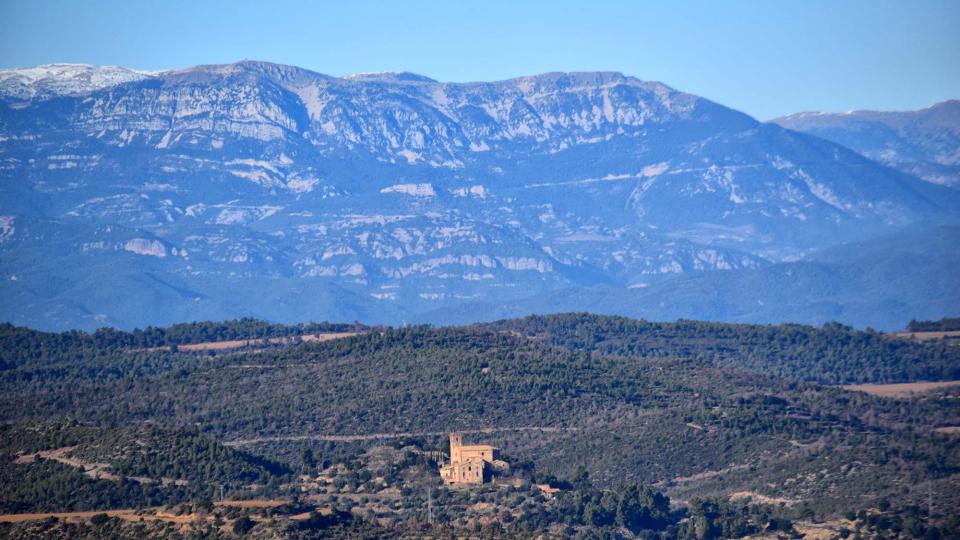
[(875, 283), (925, 143), (255, 189)]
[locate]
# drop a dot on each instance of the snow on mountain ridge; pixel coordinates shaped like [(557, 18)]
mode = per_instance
[(953, 104), (924, 143), (65, 79)]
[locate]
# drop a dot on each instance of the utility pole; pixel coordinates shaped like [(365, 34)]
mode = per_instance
[(221, 492)]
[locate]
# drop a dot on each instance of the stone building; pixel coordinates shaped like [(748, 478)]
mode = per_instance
[(472, 464)]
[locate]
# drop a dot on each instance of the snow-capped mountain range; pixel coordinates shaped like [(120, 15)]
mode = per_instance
[(133, 198)]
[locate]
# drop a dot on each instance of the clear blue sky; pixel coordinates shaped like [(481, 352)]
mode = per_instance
[(763, 57)]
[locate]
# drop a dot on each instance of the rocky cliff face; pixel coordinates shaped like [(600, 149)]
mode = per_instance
[(259, 189)]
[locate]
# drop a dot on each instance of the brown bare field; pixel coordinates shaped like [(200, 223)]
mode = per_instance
[(900, 389), (238, 343), (927, 336)]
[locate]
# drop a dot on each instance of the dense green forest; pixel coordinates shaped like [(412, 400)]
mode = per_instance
[(831, 354), (687, 410)]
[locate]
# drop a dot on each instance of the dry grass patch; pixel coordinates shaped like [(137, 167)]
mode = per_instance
[(900, 389), (927, 336), (238, 343)]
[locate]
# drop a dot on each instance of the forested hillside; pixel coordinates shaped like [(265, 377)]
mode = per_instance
[(692, 409), (68, 466), (831, 354)]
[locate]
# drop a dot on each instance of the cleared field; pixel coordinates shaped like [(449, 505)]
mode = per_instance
[(927, 336), (900, 389), (238, 343)]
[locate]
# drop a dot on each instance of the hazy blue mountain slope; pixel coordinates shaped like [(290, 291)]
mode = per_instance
[(273, 191), (877, 283), (925, 143)]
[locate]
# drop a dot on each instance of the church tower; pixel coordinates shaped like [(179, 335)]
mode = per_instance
[(456, 443)]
